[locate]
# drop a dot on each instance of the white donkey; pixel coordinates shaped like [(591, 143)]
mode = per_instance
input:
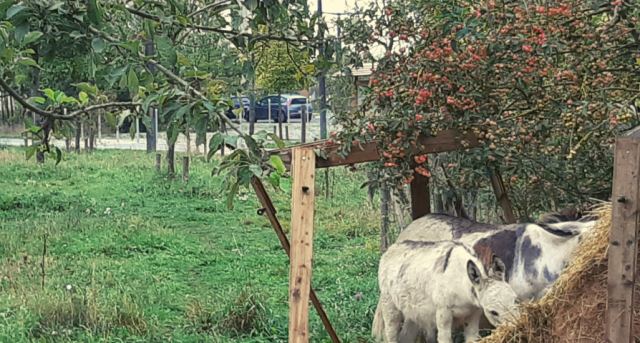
[(435, 285), (534, 254)]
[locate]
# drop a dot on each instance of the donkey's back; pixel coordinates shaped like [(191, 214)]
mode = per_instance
[(440, 227)]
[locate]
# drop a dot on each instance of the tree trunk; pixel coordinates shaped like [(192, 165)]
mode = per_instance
[(188, 135), (34, 92), (78, 124), (326, 175), (384, 218), (280, 115), (171, 159), (438, 206), (399, 213), (152, 132), (92, 133), (252, 106), (370, 189)]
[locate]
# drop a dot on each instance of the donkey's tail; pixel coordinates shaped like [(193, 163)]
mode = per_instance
[(377, 327)]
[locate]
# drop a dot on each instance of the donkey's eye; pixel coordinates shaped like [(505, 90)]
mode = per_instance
[(494, 313)]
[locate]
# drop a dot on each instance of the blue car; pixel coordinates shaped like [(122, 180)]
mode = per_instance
[(290, 105)]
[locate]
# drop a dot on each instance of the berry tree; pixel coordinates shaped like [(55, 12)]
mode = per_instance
[(546, 87)]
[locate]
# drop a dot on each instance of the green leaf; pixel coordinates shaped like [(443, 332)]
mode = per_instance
[(50, 94), (14, 10), (276, 139), (28, 122), (56, 6), (40, 100), (4, 5), (214, 144), (98, 45), (276, 162), (20, 78), (172, 133), (285, 184), (165, 47), (274, 179), (132, 129), (231, 140), (111, 119), (76, 35), (133, 81), (256, 170), (25, 61), (93, 90), (251, 5), (84, 98), (58, 156), (94, 12), (147, 102), (31, 37), (21, 31), (29, 151), (122, 116)]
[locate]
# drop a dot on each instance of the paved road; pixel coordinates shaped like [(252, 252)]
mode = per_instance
[(124, 142)]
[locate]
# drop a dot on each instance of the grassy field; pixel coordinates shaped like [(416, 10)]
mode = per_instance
[(133, 256)]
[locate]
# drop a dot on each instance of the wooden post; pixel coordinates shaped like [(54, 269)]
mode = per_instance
[(185, 168), (274, 130), (286, 128), (623, 249), (420, 197), (501, 195), (158, 162), (270, 210), (302, 212)]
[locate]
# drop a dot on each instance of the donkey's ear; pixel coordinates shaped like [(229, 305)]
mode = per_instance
[(499, 269), (474, 273)]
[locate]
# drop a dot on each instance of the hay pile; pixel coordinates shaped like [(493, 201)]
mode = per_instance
[(573, 311)]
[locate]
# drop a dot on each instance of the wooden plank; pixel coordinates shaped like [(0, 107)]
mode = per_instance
[(448, 140), (270, 210), (420, 196), (502, 195), (623, 250), (302, 212)]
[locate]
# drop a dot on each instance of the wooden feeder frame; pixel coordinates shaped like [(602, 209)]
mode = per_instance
[(302, 161)]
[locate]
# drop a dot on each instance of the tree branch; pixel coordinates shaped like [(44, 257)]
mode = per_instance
[(221, 31), (21, 100), (175, 78), (216, 4)]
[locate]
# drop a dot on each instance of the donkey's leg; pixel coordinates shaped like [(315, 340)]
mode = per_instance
[(430, 332), (392, 319), (444, 322), (410, 331), (472, 329)]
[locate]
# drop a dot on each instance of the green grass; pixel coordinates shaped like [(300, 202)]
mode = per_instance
[(169, 262)]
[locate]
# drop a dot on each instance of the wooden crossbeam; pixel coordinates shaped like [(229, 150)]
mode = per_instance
[(448, 140)]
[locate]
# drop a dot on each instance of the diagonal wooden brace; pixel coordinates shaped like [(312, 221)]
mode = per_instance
[(270, 210)]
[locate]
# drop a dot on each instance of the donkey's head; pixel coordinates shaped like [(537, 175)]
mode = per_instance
[(496, 297)]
